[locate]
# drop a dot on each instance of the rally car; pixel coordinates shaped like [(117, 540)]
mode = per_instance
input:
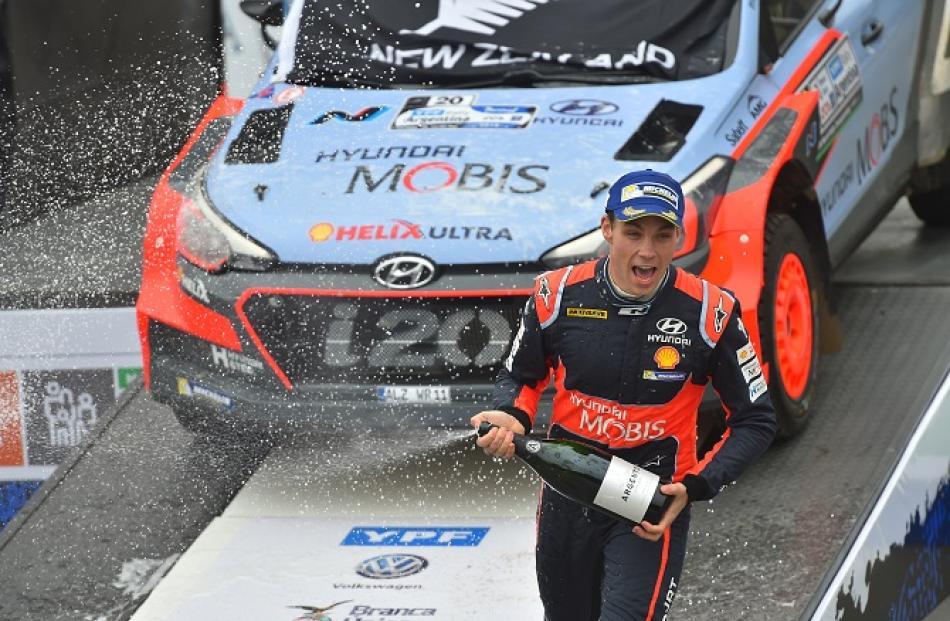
[(351, 245)]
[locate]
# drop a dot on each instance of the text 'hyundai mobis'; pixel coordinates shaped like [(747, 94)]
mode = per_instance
[(436, 176)]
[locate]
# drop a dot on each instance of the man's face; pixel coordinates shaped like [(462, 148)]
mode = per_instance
[(640, 252)]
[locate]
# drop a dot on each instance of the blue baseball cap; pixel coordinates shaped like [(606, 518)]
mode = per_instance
[(646, 193)]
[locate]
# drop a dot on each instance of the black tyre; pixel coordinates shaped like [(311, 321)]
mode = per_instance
[(789, 322), (933, 208)]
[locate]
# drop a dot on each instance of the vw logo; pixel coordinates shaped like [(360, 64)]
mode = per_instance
[(671, 325), (390, 566), (404, 272), (584, 107)]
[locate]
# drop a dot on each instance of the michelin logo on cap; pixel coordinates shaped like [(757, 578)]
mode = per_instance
[(646, 189), (646, 193)]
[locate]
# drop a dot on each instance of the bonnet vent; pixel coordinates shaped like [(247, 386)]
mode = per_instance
[(260, 139), (662, 133)]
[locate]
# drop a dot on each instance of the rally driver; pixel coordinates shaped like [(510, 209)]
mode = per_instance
[(630, 342)]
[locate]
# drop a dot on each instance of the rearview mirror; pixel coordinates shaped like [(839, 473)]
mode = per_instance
[(267, 12)]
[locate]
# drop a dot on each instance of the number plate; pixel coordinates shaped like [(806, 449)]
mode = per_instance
[(414, 394)]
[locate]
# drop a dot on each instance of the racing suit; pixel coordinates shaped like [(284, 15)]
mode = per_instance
[(629, 377)]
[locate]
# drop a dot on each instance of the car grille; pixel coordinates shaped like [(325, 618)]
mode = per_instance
[(318, 339)]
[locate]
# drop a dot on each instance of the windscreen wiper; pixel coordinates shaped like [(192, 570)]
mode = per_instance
[(524, 78), (519, 78)]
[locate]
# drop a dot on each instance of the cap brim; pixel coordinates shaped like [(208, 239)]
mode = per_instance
[(621, 217)]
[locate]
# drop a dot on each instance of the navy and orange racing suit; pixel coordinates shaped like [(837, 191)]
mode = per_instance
[(629, 377)]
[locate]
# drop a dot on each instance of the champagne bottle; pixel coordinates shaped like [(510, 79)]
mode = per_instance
[(593, 477)]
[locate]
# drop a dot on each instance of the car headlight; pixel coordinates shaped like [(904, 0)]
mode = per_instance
[(703, 191), (210, 242), (587, 246)]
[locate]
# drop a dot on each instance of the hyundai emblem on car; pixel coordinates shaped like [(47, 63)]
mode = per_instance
[(404, 272)]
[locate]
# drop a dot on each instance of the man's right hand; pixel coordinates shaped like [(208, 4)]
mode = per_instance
[(497, 442)]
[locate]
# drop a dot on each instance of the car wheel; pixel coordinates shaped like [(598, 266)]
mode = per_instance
[(789, 321), (932, 208)]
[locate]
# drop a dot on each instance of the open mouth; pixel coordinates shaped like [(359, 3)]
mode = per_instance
[(644, 275)]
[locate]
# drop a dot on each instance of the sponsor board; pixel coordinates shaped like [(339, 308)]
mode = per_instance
[(61, 408), (11, 425), (442, 112), (271, 563), (439, 536)]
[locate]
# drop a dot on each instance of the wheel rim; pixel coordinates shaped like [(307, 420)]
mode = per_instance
[(793, 326)]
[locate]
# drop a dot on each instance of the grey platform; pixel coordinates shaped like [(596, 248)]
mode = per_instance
[(143, 489)]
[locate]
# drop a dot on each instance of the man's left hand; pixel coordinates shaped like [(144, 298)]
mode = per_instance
[(653, 532)]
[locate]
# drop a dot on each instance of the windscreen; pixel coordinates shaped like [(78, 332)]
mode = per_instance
[(458, 43)]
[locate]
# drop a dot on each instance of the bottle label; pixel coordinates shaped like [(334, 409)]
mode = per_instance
[(627, 489)]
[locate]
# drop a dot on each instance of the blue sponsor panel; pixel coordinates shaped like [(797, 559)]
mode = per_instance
[(13, 495), (433, 536), (898, 567)]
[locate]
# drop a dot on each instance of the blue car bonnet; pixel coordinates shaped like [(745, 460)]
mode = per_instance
[(464, 177)]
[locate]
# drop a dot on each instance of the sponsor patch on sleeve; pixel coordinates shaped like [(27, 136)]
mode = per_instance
[(757, 389), (587, 313), (751, 369), (745, 353)]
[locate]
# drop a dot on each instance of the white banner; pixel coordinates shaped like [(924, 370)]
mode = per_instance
[(246, 569)]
